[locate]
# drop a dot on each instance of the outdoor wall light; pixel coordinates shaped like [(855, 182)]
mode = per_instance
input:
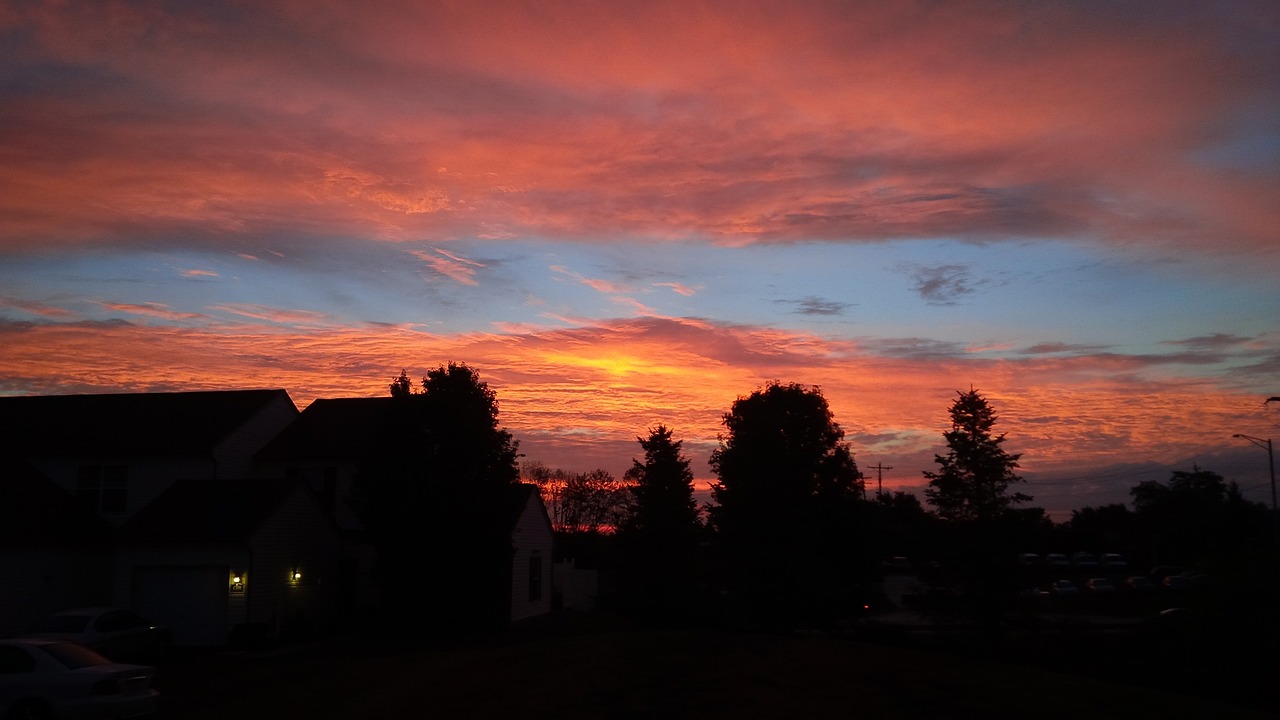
[(295, 576), (236, 586)]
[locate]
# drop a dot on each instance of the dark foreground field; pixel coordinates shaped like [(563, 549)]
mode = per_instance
[(612, 671)]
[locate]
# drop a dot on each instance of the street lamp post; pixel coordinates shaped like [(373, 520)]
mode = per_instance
[(1271, 465)]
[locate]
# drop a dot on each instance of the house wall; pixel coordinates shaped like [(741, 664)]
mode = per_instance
[(315, 474), (531, 538), (189, 588), (298, 537), (38, 580), (147, 477), (183, 587)]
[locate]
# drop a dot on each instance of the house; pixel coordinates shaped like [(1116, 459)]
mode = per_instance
[(53, 552), (211, 557), (116, 453), (531, 548), (334, 440), (80, 469)]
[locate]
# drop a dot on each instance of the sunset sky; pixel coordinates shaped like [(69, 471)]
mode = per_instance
[(630, 213)]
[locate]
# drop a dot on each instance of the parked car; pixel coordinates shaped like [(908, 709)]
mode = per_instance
[(1099, 586), (1057, 560), (120, 635), (1139, 584), (1084, 561), (1063, 588), (56, 679), (1113, 561), (1028, 559)]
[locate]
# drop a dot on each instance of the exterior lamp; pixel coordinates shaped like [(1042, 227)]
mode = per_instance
[(295, 576)]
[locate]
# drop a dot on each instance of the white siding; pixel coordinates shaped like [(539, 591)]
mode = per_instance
[(531, 538), (297, 537)]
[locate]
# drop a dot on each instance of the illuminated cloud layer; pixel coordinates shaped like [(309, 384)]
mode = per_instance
[(631, 213)]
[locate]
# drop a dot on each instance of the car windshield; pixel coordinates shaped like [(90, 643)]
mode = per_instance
[(73, 656), (64, 624)]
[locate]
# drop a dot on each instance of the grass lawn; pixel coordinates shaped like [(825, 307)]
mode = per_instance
[(619, 671)]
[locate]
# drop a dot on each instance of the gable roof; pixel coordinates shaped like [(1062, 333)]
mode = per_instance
[(349, 429), (210, 511), (33, 508), (166, 424)]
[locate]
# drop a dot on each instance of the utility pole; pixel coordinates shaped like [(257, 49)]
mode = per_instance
[(880, 477)]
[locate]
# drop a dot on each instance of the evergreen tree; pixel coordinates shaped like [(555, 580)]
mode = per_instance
[(663, 489), (659, 540), (973, 479)]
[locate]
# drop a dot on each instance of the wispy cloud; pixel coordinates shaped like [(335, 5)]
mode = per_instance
[(52, 312), (198, 273), (816, 306), (451, 265), (152, 309), (942, 284), (273, 315), (678, 288), (606, 287)]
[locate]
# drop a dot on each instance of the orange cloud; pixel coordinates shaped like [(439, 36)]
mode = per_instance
[(586, 393)]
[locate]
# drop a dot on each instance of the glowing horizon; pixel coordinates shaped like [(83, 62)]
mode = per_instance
[(630, 215)]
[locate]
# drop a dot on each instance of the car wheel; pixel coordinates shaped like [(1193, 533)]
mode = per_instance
[(30, 710)]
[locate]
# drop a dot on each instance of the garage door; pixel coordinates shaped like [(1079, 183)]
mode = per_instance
[(189, 600)]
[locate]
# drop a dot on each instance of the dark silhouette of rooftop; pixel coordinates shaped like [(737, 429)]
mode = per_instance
[(155, 424)]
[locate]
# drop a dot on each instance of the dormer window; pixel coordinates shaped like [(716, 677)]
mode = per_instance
[(103, 488)]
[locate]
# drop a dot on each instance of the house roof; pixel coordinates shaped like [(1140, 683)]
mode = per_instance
[(167, 424), (209, 511), (517, 499), (33, 508), (349, 429)]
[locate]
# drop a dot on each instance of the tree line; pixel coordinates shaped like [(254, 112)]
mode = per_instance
[(791, 536)]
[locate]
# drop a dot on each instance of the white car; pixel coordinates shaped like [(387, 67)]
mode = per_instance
[(51, 679), (117, 634)]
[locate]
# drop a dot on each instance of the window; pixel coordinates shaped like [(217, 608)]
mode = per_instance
[(535, 577), (103, 488)]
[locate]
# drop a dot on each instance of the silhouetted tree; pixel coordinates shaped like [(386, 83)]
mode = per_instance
[(401, 386), (786, 499), (663, 489), (434, 505), (1199, 518), (660, 536), (973, 479), (587, 502)]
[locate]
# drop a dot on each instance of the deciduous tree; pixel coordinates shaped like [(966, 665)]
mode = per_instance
[(434, 503), (785, 503)]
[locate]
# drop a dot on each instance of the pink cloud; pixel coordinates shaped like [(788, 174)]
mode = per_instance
[(152, 309), (40, 309), (660, 120), (678, 288), (451, 265)]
